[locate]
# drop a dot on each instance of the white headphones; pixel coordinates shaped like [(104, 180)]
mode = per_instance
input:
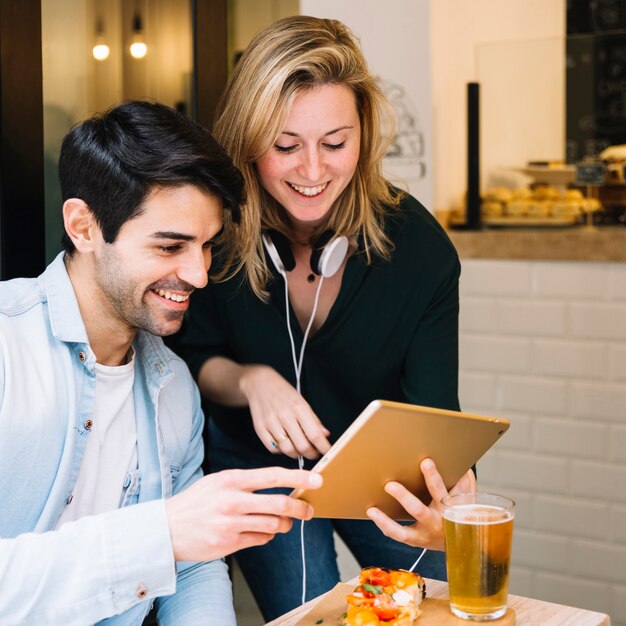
[(329, 252)]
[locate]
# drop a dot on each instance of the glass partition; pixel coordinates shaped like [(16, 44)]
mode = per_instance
[(522, 105), (98, 52)]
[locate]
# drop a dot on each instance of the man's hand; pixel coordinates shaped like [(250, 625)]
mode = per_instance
[(427, 532), (220, 514)]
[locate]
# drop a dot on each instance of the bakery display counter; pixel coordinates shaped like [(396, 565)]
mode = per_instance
[(603, 243)]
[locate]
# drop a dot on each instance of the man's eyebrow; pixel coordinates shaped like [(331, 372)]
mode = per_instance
[(170, 234)]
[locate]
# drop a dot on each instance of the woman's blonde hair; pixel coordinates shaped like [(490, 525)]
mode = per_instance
[(291, 55)]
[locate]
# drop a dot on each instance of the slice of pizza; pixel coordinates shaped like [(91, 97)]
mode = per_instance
[(385, 597)]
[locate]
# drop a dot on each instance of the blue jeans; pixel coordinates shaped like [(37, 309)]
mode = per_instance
[(274, 571)]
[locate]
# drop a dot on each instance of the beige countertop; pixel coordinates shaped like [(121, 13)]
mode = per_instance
[(579, 243)]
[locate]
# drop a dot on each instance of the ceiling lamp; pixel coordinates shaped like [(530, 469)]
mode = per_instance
[(138, 47), (100, 50)]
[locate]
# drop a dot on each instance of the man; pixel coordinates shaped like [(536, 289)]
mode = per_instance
[(102, 503)]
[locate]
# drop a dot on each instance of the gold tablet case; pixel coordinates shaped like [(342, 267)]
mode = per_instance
[(387, 442)]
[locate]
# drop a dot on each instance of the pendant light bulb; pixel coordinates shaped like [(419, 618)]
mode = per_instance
[(100, 50), (138, 47)]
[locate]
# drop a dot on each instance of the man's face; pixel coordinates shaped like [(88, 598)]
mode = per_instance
[(145, 277)]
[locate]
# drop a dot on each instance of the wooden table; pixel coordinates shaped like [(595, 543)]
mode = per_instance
[(527, 612)]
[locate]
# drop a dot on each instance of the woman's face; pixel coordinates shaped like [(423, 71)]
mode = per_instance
[(315, 156)]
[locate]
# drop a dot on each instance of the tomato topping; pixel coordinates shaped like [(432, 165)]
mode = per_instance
[(385, 608), (376, 576)]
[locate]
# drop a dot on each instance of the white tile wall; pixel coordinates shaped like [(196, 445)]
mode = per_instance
[(618, 604), (618, 444), (618, 524), (618, 362), (544, 345), (574, 592)]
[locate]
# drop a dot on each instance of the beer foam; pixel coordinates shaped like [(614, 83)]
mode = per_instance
[(477, 514)]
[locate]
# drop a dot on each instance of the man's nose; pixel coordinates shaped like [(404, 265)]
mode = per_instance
[(194, 269)]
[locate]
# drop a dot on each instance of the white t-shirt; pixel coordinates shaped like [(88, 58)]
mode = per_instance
[(111, 449)]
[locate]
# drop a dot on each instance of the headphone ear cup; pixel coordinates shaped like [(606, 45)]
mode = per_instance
[(329, 252), (279, 251)]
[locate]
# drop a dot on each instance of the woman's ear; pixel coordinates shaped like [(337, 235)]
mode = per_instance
[(80, 224)]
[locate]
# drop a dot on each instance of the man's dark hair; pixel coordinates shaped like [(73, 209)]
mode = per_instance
[(113, 160)]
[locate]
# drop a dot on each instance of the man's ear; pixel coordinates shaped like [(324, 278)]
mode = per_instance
[(80, 224)]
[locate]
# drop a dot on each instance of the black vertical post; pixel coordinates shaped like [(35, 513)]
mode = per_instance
[(473, 157), (22, 225), (210, 45)]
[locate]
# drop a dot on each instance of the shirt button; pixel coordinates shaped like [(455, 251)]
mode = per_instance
[(69, 499), (82, 356), (159, 368), (141, 592), (88, 424)]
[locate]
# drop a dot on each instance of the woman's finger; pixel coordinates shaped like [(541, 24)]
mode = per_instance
[(434, 482), (391, 528), (300, 441), (315, 432), (270, 442), (410, 503)]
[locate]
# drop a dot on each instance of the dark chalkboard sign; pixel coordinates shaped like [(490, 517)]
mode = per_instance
[(595, 16), (590, 173), (595, 76), (596, 94)]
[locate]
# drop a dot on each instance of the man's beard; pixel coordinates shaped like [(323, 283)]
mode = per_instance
[(120, 292)]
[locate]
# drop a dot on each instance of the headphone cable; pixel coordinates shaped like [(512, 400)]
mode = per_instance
[(419, 558), (297, 363)]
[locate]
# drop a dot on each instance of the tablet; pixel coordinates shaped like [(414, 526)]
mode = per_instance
[(387, 442)]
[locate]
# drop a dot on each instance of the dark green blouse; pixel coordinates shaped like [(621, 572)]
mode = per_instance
[(392, 333)]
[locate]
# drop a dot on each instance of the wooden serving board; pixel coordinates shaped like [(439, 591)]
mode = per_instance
[(435, 611)]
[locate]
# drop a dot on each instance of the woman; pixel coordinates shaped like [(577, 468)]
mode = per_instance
[(306, 123)]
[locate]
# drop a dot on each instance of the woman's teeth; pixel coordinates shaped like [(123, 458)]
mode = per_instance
[(309, 191), (176, 297)]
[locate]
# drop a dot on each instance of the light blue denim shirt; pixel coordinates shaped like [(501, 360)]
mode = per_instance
[(107, 565)]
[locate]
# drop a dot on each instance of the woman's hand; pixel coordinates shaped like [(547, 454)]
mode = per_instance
[(281, 415), (427, 532)]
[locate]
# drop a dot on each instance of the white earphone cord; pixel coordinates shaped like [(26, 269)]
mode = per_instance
[(419, 558), (297, 364)]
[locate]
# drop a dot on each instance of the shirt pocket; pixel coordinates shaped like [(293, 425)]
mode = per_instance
[(131, 487)]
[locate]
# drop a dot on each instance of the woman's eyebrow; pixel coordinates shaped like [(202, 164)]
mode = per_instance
[(330, 132)]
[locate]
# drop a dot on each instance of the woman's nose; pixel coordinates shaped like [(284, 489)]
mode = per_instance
[(312, 166)]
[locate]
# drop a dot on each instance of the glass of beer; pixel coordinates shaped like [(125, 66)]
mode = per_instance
[(478, 530)]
